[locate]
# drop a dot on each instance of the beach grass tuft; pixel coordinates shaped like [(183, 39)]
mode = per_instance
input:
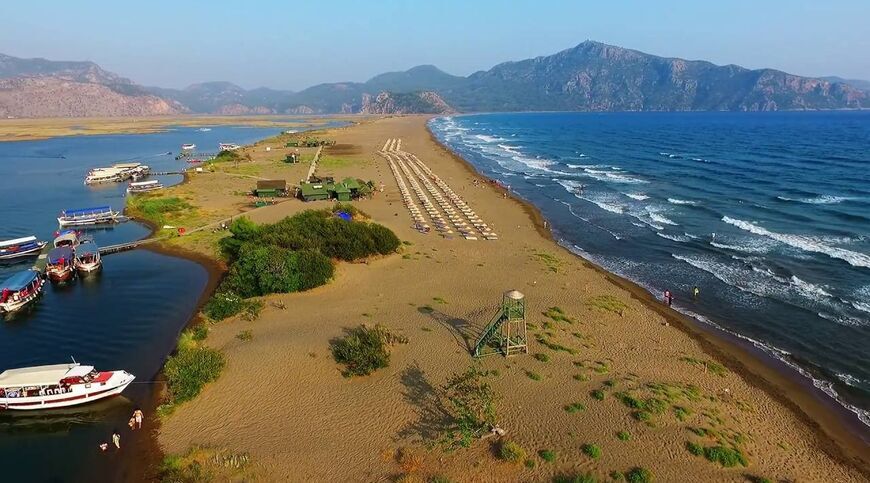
[(188, 371), (574, 407), (511, 452), (639, 475), (607, 303), (711, 366), (364, 349), (542, 357), (547, 455), (591, 450), (550, 261), (245, 335), (533, 375), (470, 406), (575, 478)]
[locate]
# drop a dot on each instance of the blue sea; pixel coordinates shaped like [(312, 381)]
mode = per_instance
[(768, 214)]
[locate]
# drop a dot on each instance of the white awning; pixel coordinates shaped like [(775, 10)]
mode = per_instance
[(41, 375), (17, 241)]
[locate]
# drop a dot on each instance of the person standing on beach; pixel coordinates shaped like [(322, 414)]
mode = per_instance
[(138, 415), (695, 292), (668, 297), (116, 438)]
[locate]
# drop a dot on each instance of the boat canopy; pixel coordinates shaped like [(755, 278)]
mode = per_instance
[(87, 247), (144, 183), (56, 254), (42, 375), (17, 241), (19, 280), (87, 211)]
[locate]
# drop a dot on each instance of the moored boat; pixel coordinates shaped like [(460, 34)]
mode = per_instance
[(117, 173), (59, 385), (188, 147), (88, 257), (144, 186), (20, 247), (89, 216), (66, 238), (228, 146), (19, 290), (60, 264)]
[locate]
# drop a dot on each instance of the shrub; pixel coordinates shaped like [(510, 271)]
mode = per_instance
[(542, 357), (617, 475), (681, 413), (188, 371), (574, 408), (591, 450), (530, 463), (261, 270), (470, 405), (597, 394), (547, 455), (199, 332), (533, 376), (224, 304), (623, 435), (155, 209), (511, 452), (694, 448), (643, 416), (245, 335), (727, 457), (578, 478), (639, 475), (363, 350)]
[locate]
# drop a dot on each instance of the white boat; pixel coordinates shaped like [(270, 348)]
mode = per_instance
[(89, 216), (188, 147), (116, 173), (66, 238), (228, 146), (60, 264), (205, 129), (58, 385), (20, 247), (144, 186), (19, 290), (88, 257)]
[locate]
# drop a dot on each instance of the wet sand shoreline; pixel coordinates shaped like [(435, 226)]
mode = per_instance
[(849, 438)]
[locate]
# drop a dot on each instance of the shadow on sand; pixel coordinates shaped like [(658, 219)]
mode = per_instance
[(433, 418), (464, 331)]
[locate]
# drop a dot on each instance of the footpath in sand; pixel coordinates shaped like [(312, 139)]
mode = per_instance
[(282, 398)]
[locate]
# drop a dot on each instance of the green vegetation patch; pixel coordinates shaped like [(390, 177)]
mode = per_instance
[(546, 342), (227, 304), (639, 475), (156, 209), (542, 357), (533, 376), (471, 407), (511, 452), (597, 394), (727, 457), (608, 303), (575, 478), (364, 349), (547, 455), (558, 315), (550, 261), (623, 436), (591, 450), (188, 371), (711, 366), (574, 407)]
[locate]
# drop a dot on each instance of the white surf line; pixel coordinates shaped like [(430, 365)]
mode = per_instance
[(457, 201)]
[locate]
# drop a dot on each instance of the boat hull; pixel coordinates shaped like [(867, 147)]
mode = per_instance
[(10, 306), (85, 268), (59, 275), (80, 394)]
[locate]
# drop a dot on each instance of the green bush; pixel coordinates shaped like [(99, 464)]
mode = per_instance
[(727, 457), (578, 478), (694, 448), (364, 350), (597, 394), (591, 450), (542, 357), (575, 407), (639, 475), (224, 304), (511, 452), (261, 270), (547, 455), (155, 208), (199, 332), (623, 435), (188, 371)]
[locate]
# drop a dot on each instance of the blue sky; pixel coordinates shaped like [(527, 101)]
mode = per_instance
[(294, 45)]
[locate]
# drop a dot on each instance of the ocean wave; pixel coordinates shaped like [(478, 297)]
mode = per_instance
[(677, 201), (850, 380), (804, 243), (843, 319), (611, 177), (657, 217), (508, 148), (637, 196), (676, 238), (808, 289), (489, 139), (670, 155), (819, 200)]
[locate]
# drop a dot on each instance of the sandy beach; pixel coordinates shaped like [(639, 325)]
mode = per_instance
[(283, 400)]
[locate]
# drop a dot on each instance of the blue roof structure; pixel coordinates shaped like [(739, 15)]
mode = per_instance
[(19, 280), (87, 211), (87, 247)]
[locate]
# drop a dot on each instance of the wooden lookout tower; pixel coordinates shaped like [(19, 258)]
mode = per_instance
[(506, 332)]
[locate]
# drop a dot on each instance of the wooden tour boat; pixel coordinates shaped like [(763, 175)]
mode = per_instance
[(228, 146), (20, 247), (144, 186), (66, 238), (59, 385), (89, 216), (88, 257), (60, 264), (20, 290), (117, 173)]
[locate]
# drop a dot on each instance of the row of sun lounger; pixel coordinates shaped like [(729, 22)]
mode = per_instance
[(451, 204)]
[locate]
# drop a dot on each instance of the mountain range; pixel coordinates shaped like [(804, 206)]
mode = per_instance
[(589, 77)]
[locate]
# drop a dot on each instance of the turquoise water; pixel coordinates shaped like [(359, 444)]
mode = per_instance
[(126, 317), (767, 213)]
